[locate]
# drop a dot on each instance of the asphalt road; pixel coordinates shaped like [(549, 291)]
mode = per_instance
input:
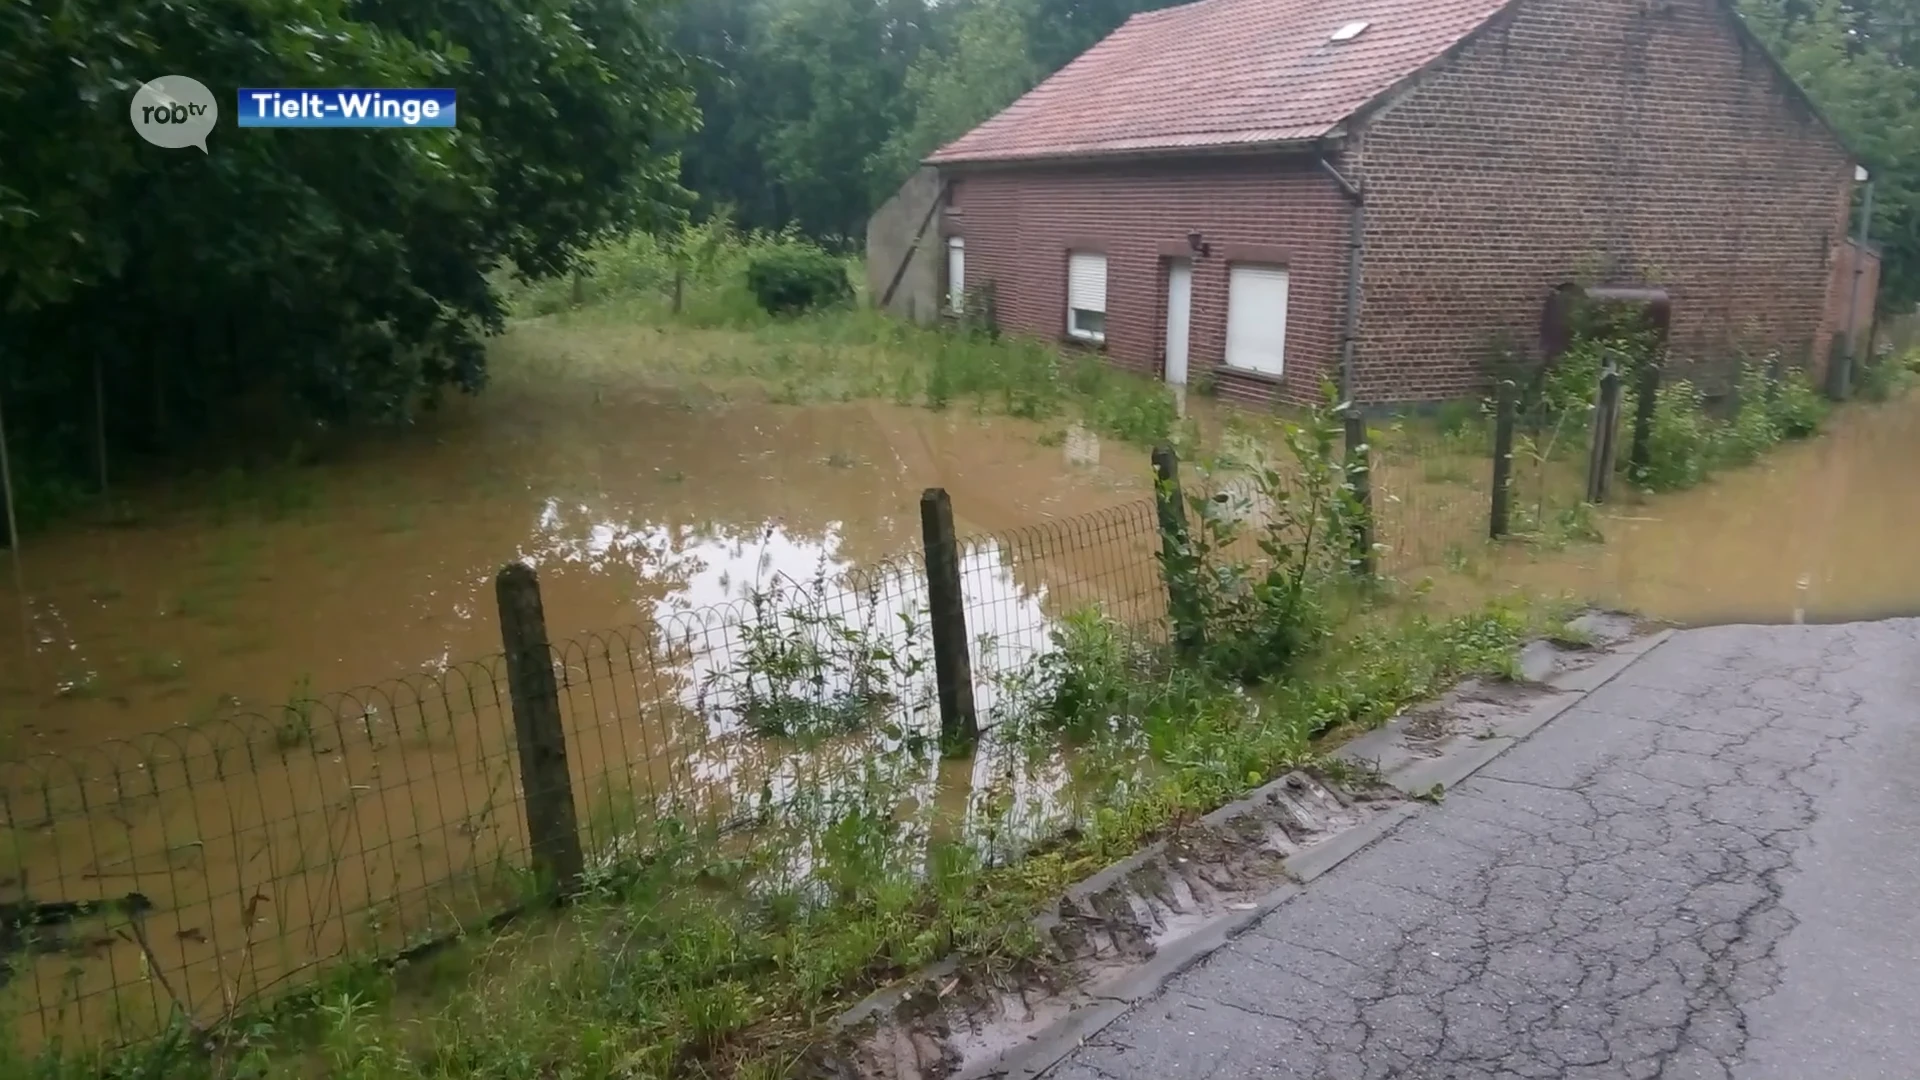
[(1708, 869)]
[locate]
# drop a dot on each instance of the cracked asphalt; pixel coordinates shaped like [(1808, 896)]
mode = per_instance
[(1710, 868)]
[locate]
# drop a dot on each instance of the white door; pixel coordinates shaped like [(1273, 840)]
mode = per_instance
[(1179, 313)]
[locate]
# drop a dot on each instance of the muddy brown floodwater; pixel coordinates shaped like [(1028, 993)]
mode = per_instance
[(1818, 531), (267, 838), (623, 499), (262, 846)]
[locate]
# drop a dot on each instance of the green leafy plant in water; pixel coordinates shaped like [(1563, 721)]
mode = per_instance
[(804, 671), (295, 726), (1687, 444), (1797, 408), (1084, 682), (1883, 378), (1250, 619)]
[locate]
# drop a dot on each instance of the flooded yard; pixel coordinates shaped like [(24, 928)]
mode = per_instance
[(658, 485), (628, 497)]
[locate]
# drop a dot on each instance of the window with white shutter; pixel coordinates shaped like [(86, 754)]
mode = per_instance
[(956, 274), (1257, 319), (1087, 296)]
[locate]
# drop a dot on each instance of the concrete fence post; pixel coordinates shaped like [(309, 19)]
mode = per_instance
[(553, 832), (1359, 467), (1500, 515), (1177, 567), (1606, 427), (952, 661)]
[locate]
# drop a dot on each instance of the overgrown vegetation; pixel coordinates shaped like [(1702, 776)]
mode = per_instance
[(1248, 620), (840, 354), (806, 671), (1688, 443), (798, 277), (1689, 437)]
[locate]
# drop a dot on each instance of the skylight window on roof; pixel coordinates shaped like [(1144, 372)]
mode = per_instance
[(1351, 30)]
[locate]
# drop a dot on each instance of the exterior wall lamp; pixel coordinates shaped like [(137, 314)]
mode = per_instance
[(1199, 244)]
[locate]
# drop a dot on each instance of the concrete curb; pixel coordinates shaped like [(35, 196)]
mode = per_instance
[(1459, 759)]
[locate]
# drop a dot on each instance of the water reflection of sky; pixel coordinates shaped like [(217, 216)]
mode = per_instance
[(707, 579)]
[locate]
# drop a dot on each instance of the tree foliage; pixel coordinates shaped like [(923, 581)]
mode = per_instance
[(1860, 62), (342, 272), (815, 110)]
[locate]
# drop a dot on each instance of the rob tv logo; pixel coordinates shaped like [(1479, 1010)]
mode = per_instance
[(174, 111)]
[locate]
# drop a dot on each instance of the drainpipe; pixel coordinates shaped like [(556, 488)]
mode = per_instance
[(1359, 468), (1859, 272), (1356, 246)]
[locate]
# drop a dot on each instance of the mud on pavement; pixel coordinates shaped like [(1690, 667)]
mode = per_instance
[(1121, 933)]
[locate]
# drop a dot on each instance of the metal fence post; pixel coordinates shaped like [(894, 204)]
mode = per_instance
[(1647, 398), (1360, 474), (1606, 425), (1500, 517), (1176, 554), (952, 663), (552, 829)]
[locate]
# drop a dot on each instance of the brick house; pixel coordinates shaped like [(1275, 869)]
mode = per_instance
[(1197, 193)]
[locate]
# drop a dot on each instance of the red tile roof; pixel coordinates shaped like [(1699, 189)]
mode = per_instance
[(1222, 73)]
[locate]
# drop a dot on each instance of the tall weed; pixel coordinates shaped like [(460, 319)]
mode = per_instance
[(1250, 619)]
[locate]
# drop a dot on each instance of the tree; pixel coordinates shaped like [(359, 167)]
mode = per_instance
[(986, 68), (1063, 29), (1860, 62), (341, 273), (836, 72)]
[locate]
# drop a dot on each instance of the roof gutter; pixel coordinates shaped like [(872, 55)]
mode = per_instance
[(1356, 251), (1154, 153)]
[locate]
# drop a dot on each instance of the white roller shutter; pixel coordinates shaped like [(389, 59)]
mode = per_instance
[(1087, 282), (1257, 319), (956, 274), (1087, 292)]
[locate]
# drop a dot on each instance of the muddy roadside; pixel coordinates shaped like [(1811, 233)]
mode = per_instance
[(1118, 935)]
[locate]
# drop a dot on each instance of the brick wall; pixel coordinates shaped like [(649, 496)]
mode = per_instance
[(1636, 141), (1020, 224)]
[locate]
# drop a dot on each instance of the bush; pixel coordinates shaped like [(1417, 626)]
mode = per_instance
[(1687, 444), (1797, 408), (794, 278), (1250, 620)]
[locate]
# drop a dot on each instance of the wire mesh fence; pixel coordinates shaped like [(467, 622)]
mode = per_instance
[(197, 871), (1432, 485), (194, 871)]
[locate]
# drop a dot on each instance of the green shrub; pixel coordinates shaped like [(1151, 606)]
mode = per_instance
[(1798, 409), (1249, 620), (1753, 429), (793, 278), (1882, 379), (1681, 439)]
